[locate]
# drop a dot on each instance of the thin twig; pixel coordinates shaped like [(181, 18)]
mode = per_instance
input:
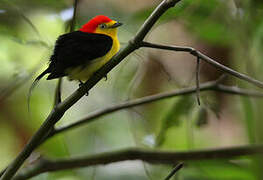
[(73, 20), (72, 26), (57, 113), (175, 169), (150, 156), (205, 58), (197, 80)]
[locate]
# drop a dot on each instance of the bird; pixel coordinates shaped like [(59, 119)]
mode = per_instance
[(79, 54)]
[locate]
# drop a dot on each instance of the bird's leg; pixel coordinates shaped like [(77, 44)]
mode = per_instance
[(106, 77), (81, 84)]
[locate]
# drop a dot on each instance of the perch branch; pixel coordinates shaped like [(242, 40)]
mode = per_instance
[(150, 156)]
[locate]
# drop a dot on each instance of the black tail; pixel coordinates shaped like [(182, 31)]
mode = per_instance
[(33, 86)]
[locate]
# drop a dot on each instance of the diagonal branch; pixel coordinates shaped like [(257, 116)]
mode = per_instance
[(150, 156), (205, 58), (57, 113)]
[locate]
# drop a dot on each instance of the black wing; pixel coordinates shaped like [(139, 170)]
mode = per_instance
[(75, 49)]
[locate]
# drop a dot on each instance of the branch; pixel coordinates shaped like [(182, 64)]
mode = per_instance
[(205, 58), (155, 157), (57, 113), (209, 86)]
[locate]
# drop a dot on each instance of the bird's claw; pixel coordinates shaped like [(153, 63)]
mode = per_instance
[(106, 77), (81, 84)]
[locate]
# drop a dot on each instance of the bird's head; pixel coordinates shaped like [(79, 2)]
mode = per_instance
[(101, 24)]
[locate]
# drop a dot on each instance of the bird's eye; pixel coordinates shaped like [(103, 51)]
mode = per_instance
[(102, 26)]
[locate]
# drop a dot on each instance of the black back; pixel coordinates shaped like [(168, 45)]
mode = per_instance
[(75, 49)]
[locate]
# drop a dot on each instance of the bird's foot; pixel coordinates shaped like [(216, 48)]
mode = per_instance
[(106, 77), (81, 84)]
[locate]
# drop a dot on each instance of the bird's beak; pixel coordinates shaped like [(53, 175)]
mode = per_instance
[(117, 24)]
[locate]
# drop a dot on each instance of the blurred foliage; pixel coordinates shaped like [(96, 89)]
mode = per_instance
[(181, 108), (28, 30)]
